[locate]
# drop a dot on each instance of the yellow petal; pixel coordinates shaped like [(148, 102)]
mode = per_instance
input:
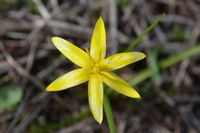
[(70, 79), (72, 52), (98, 42), (120, 85), (95, 96), (122, 59)]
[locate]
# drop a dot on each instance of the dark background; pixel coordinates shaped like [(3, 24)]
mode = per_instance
[(29, 62)]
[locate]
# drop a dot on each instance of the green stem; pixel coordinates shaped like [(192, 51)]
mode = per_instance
[(109, 116), (139, 38)]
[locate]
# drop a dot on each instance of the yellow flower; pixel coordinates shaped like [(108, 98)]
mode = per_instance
[(95, 68)]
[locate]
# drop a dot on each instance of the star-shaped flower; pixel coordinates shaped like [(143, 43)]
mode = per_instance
[(95, 68)]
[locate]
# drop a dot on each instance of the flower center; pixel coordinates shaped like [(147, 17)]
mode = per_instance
[(96, 68)]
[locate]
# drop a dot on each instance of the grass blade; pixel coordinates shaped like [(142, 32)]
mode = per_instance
[(139, 38), (163, 64)]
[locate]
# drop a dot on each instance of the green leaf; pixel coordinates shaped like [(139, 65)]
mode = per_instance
[(10, 95)]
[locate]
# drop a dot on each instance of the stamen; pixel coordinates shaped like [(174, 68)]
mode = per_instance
[(88, 52)]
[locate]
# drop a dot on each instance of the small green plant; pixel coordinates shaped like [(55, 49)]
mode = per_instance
[(10, 95)]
